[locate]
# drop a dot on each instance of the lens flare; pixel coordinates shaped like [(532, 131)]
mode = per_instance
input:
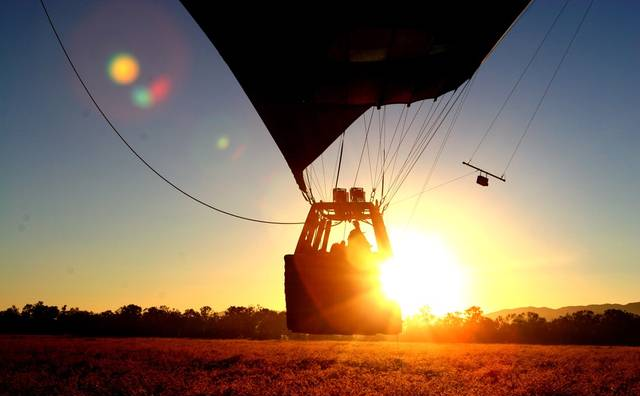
[(141, 97), (160, 88), (123, 69), (145, 97), (239, 151), (223, 143)]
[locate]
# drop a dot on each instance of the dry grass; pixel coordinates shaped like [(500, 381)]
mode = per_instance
[(80, 366)]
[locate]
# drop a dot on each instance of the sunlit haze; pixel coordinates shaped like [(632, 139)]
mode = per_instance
[(424, 271)]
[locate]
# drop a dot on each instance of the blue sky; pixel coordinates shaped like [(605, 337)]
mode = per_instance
[(84, 223)]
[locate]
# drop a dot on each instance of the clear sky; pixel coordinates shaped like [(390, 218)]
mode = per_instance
[(83, 223)]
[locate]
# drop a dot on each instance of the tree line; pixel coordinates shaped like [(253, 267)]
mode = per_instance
[(134, 321), (613, 327)]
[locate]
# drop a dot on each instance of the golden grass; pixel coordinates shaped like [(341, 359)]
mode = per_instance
[(80, 366)]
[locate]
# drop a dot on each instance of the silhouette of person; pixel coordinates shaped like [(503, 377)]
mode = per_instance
[(357, 239), (338, 248)]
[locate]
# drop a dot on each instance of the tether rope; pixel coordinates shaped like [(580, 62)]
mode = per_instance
[(134, 152)]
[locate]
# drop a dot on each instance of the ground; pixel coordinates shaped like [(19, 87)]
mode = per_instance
[(39, 365)]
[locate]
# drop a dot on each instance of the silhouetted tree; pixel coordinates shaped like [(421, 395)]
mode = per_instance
[(205, 311)]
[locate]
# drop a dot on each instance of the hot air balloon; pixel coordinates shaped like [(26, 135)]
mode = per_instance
[(310, 73)]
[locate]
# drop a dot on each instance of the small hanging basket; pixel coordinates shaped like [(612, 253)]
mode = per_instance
[(483, 177)]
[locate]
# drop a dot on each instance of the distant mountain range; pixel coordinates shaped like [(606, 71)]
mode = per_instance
[(552, 313)]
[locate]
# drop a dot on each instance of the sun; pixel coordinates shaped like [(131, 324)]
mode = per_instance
[(424, 271)]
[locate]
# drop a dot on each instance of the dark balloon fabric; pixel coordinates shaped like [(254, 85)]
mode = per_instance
[(310, 72)]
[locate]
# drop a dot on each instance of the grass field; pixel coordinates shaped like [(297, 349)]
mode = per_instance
[(34, 365)]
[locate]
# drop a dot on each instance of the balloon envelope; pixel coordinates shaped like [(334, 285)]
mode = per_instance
[(311, 72)]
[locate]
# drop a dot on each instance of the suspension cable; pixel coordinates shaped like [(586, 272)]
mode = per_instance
[(317, 181), (395, 130), (435, 104), (427, 127), (466, 89), (546, 90), (403, 135), (364, 144), (427, 141), (379, 151), (396, 202), (339, 160), (369, 161), (134, 152), (309, 185), (324, 177), (518, 81)]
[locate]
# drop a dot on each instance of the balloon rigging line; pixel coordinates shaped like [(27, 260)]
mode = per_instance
[(310, 183), (419, 142), (394, 203), (366, 136), (435, 104), (506, 33), (335, 167), (377, 110), (423, 128), (393, 159), (384, 144), (465, 94), (369, 153), (340, 160), (324, 177), (518, 81), (428, 139), (396, 176), (395, 130), (403, 135), (134, 152), (316, 179), (546, 90)]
